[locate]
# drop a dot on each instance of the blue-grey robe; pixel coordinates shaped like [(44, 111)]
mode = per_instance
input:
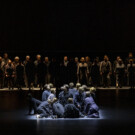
[(72, 92), (45, 109), (90, 108), (45, 95), (33, 104), (58, 109), (63, 97)]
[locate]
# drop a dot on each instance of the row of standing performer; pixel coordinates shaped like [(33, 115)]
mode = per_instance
[(35, 74), (72, 102)]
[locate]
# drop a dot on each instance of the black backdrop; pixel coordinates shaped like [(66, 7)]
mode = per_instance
[(68, 25)]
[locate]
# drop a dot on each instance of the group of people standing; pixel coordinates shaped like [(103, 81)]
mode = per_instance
[(29, 73), (72, 102)]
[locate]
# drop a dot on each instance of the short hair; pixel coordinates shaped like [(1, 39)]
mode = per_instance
[(49, 101), (55, 99), (16, 58), (92, 89), (66, 86), (84, 86), (78, 85), (71, 84), (53, 90), (38, 55), (63, 88), (46, 86), (51, 85), (87, 93), (70, 100), (81, 89)]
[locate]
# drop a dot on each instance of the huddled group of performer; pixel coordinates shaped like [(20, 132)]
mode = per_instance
[(72, 102), (29, 73)]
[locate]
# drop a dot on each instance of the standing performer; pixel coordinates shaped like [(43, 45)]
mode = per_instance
[(77, 64), (64, 71), (89, 63), (95, 73), (83, 71), (30, 72), (120, 72), (54, 71), (5, 58), (1, 72), (131, 73), (47, 70), (20, 75), (25, 76), (105, 71), (10, 74), (37, 65), (72, 71)]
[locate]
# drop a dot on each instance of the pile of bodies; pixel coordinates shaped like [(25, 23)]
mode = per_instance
[(71, 102)]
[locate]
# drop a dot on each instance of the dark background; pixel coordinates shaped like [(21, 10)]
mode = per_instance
[(68, 25)]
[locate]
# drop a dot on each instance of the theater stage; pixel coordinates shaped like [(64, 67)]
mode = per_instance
[(117, 116)]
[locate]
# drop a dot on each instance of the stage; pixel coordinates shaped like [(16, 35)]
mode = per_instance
[(115, 121), (117, 115)]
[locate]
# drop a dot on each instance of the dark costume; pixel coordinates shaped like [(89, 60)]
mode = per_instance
[(71, 111), (120, 72), (72, 67), (58, 109), (131, 74), (64, 72), (79, 100), (90, 108), (30, 71), (1, 73), (83, 72), (10, 75), (95, 74), (89, 63), (63, 97), (47, 72), (20, 75), (54, 72), (40, 73)]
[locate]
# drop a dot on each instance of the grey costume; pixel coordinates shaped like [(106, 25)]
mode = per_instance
[(58, 109), (44, 109), (45, 95), (90, 108), (105, 69)]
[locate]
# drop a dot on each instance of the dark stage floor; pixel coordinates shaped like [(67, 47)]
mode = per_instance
[(117, 116)]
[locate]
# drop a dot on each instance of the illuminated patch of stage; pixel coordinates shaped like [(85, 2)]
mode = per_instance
[(101, 112)]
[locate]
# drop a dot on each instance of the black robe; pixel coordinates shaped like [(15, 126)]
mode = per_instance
[(71, 111)]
